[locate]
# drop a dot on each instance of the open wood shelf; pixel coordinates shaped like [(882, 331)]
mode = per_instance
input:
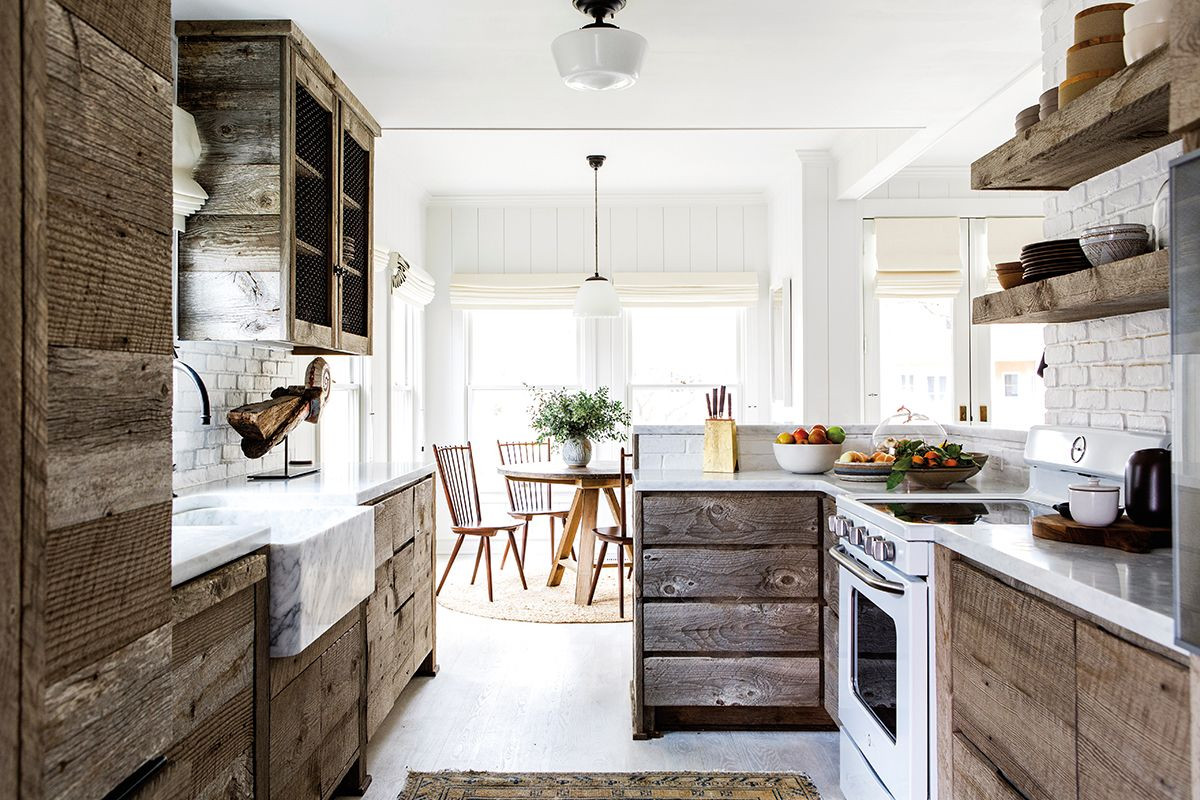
[(307, 170), (1122, 287), (350, 202), (1122, 118)]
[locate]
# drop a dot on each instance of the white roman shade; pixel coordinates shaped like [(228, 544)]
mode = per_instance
[(187, 195), (558, 290), (407, 282), (918, 256)]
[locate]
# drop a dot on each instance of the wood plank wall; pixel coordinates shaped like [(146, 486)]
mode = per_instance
[(22, 418), (106, 565)]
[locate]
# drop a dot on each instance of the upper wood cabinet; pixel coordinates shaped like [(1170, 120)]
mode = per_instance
[(282, 250)]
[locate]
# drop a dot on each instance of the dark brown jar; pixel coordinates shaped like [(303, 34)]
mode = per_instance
[(1148, 487)]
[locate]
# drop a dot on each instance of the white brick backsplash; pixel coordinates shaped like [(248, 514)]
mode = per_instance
[(235, 374), (1159, 400), (1149, 375), (663, 444), (1089, 352), (1072, 376), (1050, 334), (1126, 400), (1156, 346), (1091, 399), (1059, 354), (1107, 376), (1124, 349), (1105, 329), (1072, 332), (1148, 323), (1154, 423), (1060, 398), (1106, 420)]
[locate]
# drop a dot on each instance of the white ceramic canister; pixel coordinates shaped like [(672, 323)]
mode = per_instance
[(1093, 504)]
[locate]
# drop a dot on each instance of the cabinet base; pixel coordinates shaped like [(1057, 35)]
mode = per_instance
[(733, 718)]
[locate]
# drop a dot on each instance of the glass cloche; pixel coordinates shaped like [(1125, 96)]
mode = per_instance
[(906, 424)]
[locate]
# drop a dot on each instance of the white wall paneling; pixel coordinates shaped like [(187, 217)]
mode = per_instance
[(704, 238), (543, 240)]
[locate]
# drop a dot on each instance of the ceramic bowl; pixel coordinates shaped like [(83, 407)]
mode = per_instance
[(1105, 249), (945, 477), (1072, 88), (1094, 505), (1141, 42), (1147, 12), (807, 459)]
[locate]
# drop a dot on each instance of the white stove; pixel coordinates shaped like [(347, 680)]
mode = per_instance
[(885, 547)]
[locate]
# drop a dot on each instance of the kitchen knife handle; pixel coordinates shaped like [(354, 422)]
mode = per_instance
[(708, 404)]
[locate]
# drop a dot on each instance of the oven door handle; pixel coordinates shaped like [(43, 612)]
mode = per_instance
[(839, 554)]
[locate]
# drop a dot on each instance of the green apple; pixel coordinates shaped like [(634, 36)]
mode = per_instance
[(836, 435)]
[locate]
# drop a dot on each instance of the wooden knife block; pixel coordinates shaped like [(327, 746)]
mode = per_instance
[(720, 445)]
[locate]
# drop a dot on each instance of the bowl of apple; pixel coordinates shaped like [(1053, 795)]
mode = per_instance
[(809, 451)]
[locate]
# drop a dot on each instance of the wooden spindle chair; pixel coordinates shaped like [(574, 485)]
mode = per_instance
[(456, 466), (622, 538), (529, 499)]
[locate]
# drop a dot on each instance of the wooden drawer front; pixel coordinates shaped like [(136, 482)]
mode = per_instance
[(402, 573), (393, 524), (740, 574), (341, 688), (975, 778), (296, 735), (423, 507), (753, 681), (731, 628), (390, 661), (219, 753), (831, 664), (1014, 682), (1133, 720), (749, 518)]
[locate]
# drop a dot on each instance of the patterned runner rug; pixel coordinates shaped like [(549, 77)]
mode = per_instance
[(606, 785)]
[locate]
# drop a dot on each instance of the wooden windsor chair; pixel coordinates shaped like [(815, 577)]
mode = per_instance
[(530, 499), (622, 538), (456, 467)]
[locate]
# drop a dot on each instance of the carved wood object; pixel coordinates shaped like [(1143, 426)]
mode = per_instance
[(265, 424)]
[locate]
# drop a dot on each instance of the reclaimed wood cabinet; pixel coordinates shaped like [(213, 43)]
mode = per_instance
[(282, 250), (1039, 701), (728, 611), (219, 655), (400, 611)]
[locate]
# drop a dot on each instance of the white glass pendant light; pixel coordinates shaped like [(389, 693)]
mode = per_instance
[(597, 296), (599, 56)]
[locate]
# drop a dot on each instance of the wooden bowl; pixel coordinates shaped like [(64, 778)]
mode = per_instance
[(945, 477), (1010, 278), (1072, 88), (1105, 52), (1107, 19)]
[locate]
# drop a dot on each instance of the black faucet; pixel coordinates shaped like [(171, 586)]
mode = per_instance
[(205, 410)]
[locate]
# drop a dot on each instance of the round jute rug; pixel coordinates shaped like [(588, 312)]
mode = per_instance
[(541, 603)]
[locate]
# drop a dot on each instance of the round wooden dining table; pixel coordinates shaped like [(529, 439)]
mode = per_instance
[(599, 477)]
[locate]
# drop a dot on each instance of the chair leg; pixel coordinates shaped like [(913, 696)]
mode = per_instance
[(553, 549), (621, 580), (630, 572), (512, 539), (504, 557), (524, 542), (450, 563), (596, 573), (487, 556), (478, 555)]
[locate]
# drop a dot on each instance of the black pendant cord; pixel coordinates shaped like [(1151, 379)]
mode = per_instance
[(596, 214)]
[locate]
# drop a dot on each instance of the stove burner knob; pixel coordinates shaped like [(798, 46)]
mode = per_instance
[(839, 525), (858, 536), (881, 549)]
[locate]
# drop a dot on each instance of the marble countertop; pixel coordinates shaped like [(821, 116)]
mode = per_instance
[(1133, 591), (777, 480), (335, 485), (197, 549)]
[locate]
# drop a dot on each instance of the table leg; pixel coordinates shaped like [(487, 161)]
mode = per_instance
[(566, 541), (614, 505), (587, 544)]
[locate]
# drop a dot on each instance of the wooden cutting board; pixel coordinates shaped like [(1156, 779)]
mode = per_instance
[(1122, 534)]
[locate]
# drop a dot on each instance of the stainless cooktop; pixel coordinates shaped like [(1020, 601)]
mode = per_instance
[(964, 512)]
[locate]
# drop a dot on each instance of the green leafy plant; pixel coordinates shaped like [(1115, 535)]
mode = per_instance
[(916, 454), (561, 414)]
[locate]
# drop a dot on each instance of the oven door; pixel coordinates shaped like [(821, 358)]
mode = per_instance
[(883, 671)]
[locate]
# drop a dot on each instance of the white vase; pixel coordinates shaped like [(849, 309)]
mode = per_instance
[(576, 451)]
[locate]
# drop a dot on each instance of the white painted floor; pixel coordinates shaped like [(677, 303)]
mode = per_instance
[(526, 697)]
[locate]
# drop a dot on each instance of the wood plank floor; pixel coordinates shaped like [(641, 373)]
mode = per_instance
[(524, 697)]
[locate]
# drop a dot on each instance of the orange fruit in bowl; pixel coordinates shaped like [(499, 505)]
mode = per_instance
[(800, 435)]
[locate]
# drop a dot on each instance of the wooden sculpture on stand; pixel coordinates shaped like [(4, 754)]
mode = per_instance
[(265, 424)]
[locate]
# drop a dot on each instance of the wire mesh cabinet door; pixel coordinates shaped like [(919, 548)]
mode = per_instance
[(355, 261), (314, 143)]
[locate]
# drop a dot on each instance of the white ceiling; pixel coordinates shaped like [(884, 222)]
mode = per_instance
[(808, 69)]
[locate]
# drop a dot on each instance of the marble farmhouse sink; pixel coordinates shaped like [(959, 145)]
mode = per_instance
[(320, 562)]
